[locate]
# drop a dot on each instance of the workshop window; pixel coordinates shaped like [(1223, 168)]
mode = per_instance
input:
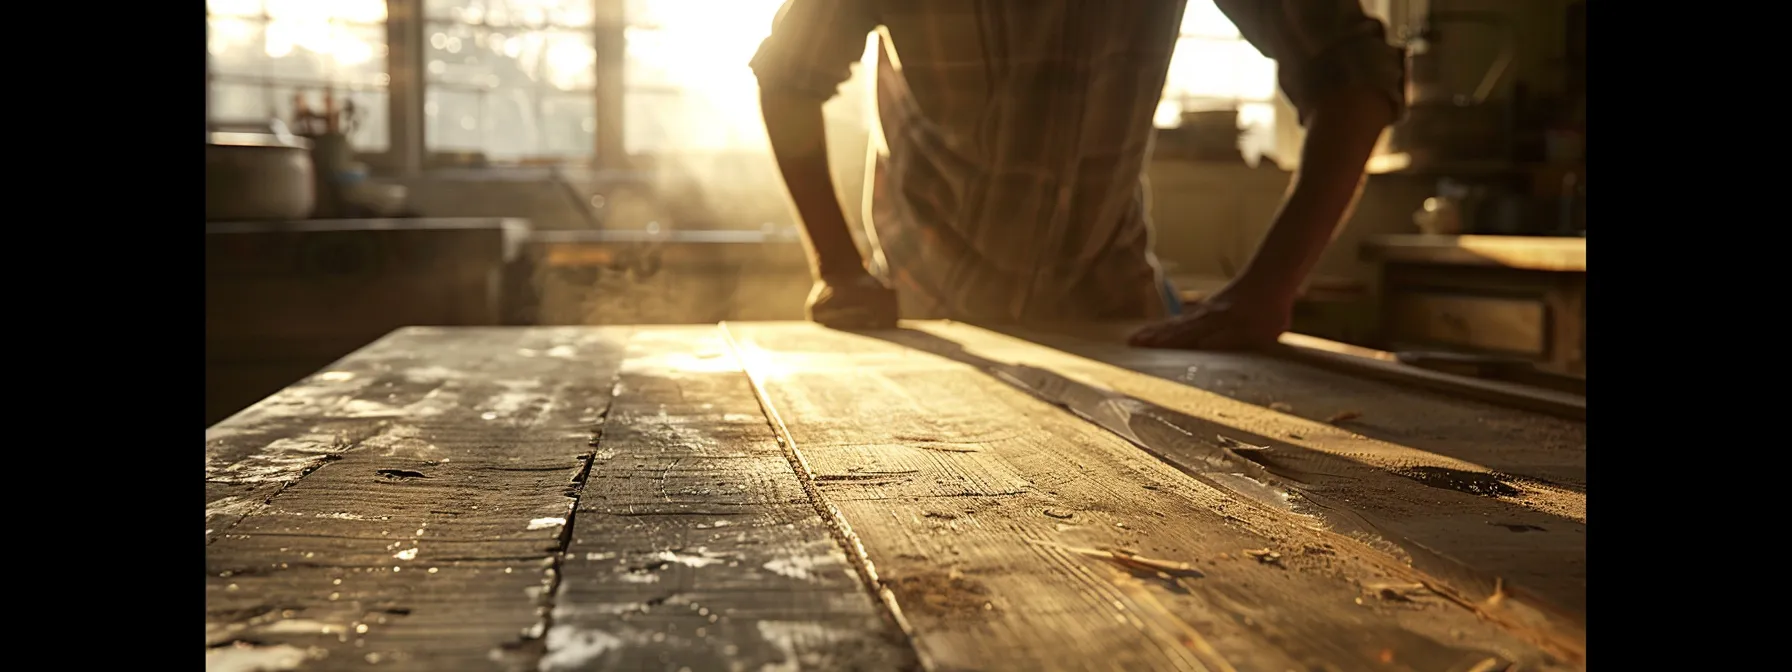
[(260, 53), (512, 79), (1214, 68), (686, 81)]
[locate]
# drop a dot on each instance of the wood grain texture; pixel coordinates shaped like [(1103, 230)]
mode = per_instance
[(704, 498), (1511, 441), (1006, 530), (406, 507), (695, 546), (1478, 322), (1523, 521), (1481, 532), (1562, 294), (1359, 363)]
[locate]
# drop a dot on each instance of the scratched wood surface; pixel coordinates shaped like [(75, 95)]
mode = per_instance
[(415, 506), (1498, 490), (778, 496), (1008, 530), (695, 545), (1511, 441), (406, 507)]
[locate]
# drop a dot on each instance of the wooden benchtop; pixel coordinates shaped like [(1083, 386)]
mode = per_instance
[(780, 494), (1518, 252)]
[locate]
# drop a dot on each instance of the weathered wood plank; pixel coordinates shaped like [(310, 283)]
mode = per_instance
[(695, 546), (1480, 531), (986, 513), (1511, 441), (407, 506), (1332, 355), (447, 616)]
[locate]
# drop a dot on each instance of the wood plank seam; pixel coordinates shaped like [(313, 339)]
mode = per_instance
[(849, 541), (533, 645), (695, 544), (216, 533)]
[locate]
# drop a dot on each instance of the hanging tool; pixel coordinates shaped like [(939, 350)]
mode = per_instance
[(329, 116), (303, 120), (351, 117)]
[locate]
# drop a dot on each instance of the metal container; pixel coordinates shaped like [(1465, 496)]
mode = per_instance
[(258, 177)]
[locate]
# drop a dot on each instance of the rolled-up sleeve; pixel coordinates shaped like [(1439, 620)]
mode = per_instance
[(813, 46), (1322, 46)]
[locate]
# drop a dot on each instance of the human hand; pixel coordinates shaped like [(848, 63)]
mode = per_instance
[(1231, 319), (857, 301)]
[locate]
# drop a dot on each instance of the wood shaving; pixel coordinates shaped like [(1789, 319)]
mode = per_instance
[(1396, 592), (1235, 445), (1135, 561)]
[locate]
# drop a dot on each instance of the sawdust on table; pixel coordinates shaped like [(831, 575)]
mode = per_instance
[(942, 594)]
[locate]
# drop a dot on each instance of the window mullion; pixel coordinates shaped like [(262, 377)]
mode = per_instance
[(405, 87), (611, 44)]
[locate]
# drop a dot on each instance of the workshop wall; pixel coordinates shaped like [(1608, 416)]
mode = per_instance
[(1539, 33), (719, 190), (1209, 215)]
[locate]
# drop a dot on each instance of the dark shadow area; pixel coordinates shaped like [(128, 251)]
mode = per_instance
[(1470, 557)]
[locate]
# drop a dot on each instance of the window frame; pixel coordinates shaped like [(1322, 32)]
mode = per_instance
[(1274, 131), (1396, 15), (406, 48), (213, 77), (406, 88), (1286, 132), (540, 88)]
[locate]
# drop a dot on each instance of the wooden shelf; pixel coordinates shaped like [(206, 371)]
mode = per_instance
[(1320, 288), (1535, 253)]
